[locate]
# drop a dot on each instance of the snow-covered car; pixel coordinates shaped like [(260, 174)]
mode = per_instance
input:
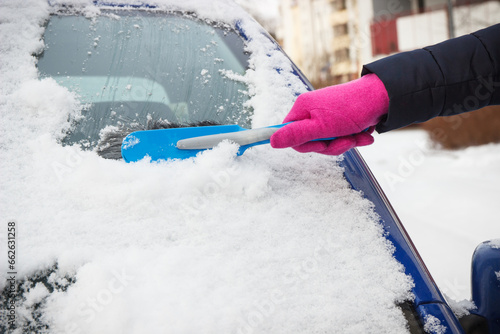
[(269, 242)]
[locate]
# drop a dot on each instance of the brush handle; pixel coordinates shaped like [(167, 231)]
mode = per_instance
[(244, 137)]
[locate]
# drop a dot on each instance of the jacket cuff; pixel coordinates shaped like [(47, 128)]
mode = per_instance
[(414, 84)]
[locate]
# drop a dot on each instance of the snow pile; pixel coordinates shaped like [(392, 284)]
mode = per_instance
[(226, 11), (433, 325), (20, 36), (270, 242), (494, 243), (460, 308), (265, 12)]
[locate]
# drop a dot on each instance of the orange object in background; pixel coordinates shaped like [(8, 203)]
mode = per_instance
[(384, 36)]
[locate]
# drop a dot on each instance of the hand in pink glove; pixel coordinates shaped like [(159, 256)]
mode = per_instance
[(341, 111)]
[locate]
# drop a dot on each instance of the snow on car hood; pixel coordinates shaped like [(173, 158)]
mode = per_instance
[(270, 242)]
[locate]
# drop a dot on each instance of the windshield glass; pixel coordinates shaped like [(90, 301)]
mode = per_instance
[(135, 66)]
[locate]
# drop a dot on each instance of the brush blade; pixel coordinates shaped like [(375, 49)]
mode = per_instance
[(162, 144)]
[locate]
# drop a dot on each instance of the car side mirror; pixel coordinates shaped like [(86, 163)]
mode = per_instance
[(485, 284)]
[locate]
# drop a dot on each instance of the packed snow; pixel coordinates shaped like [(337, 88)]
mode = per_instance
[(270, 242), (494, 243), (446, 199), (433, 325)]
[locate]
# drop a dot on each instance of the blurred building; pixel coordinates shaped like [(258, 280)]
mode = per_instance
[(325, 37), (301, 19), (330, 40), (429, 22)]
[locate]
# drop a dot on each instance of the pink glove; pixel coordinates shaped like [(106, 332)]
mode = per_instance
[(341, 111)]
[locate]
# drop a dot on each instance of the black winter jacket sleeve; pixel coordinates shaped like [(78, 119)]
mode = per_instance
[(455, 76)]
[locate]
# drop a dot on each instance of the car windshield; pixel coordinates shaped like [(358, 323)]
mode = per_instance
[(133, 66)]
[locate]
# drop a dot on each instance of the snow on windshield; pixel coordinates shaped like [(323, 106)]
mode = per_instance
[(270, 242)]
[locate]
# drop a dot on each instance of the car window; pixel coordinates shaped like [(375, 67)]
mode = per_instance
[(133, 66)]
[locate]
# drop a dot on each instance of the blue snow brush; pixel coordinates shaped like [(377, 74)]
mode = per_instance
[(183, 143)]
